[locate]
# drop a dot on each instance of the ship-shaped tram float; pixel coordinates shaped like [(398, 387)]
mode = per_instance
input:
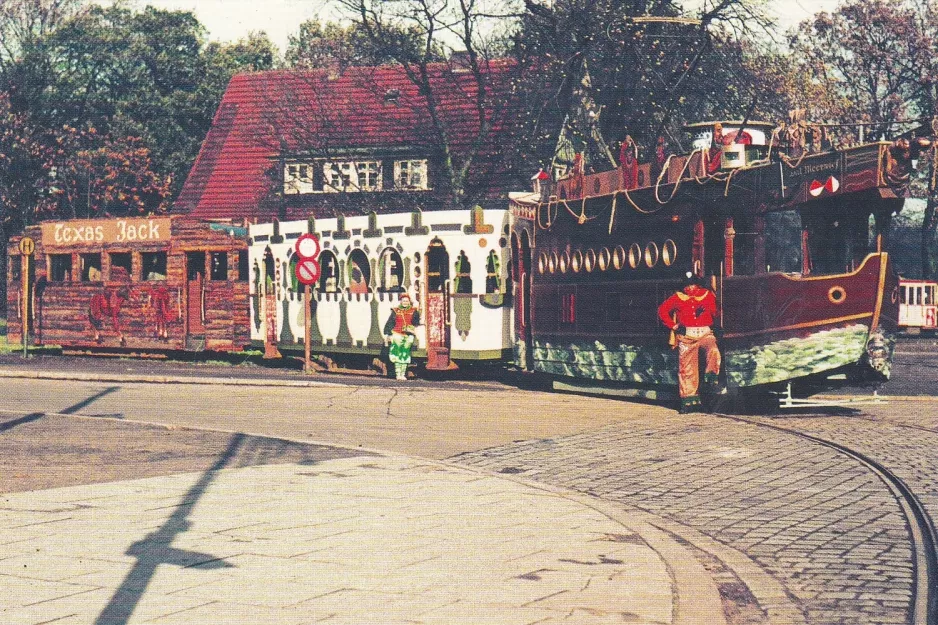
[(791, 240)]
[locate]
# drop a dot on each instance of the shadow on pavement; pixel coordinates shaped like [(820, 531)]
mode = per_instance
[(155, 549)]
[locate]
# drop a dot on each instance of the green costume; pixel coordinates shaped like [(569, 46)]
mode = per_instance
[(400, 329)]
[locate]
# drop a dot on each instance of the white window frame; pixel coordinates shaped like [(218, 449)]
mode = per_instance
[(411, 174), (296, 180), (351, 176)]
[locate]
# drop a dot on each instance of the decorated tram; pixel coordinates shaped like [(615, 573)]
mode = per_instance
[(142, 284), (791, 244), (453, 263)]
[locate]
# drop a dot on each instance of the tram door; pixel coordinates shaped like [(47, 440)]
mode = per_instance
[(195, 291), (437, 308)]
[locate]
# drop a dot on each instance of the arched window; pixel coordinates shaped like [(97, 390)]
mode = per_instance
[(390, 271), (463, 280), (270, 272), (437, 266), (295, 285), (359, 272), (328, 272), (493, 278)]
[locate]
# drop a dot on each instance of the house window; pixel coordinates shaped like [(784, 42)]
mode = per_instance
[(121, 266), (351, 176), (410, 174), (60, 267), (90, 267), (297, 178), (153, 265)]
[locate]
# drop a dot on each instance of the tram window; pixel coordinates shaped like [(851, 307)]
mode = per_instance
[(927, 296), (153, 265), (902, 294), (329, 272), (359, 272), (243, 266), (462, 283), (195, 265), (783, 241), (437, 267), (60, 267), (390, 271), (744, 246), (219, 266), (493, 273), (121, 266), (90, 267)]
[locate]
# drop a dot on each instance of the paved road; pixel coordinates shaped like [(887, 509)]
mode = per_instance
[(767, 507)]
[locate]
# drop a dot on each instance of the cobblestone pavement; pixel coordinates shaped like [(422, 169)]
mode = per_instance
[(816, 520)]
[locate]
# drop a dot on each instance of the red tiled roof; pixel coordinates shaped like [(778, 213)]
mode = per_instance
[(267, 114)]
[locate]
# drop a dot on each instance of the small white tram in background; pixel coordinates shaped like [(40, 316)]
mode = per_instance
[(454, 265), (918, 307)]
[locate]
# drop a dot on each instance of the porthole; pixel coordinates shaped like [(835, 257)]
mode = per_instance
[(564, 262), (604, 258), (635, 255), (837, 295), (618, 257), (577, 261), (668, 253), (590, 261), (651, 254), (542, 262), (552, 263)]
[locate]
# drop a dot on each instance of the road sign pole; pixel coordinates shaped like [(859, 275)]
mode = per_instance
[(25, 334), (308, 367)]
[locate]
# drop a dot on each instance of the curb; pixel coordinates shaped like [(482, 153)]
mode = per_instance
[(160, 379)]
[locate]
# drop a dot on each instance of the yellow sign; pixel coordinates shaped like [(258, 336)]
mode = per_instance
[(100, 231), (27, 246)]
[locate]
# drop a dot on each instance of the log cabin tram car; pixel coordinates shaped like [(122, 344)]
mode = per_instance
[(453, 263), (144, 284), (792, 245)]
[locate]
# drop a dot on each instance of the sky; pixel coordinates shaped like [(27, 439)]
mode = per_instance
[(229, 20)]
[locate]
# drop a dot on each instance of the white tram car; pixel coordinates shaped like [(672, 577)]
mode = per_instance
[(454, 264), (918, 307)]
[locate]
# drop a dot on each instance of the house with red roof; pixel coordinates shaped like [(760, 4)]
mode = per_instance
[(293, 144)]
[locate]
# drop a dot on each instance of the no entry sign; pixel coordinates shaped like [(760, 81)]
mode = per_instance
[(307, 246), (307, 271)]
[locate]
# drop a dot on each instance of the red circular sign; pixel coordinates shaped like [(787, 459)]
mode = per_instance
[(307, 271), (307, 246)]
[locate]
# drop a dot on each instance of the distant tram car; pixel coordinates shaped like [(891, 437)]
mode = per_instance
[(153, 284), (454, 265), (917, 304)]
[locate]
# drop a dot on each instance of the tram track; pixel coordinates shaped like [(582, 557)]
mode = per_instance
[(920, 524)]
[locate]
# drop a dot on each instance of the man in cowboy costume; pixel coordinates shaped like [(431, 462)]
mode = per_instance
[(689, 313), (400, 330)]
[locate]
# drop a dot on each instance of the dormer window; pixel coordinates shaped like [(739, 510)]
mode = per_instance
[(410, 174)]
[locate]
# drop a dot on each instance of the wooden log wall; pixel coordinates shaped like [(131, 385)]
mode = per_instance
[(151, 315)]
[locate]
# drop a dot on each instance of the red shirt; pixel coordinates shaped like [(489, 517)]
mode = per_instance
[(694, 307)]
